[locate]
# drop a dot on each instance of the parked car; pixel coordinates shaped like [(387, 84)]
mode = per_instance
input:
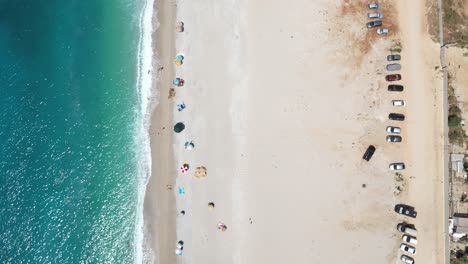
[(397, 117), (369, 152), (395, 88), (393, 67), (398, 103), (393, 129), (393, 77), (407, 259), (409, 239), (373, 6), (397, 166), (408, 249), (393, 57), (407, 228), (376, 23), (392, 138), (375, 15), (382, 31), (405, 210)]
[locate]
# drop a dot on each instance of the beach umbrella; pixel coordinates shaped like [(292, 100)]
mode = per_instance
[(211, 206), (178, 62), (200, 172), (222, 227), (184, 168), (179, 57), (178, 252), (180, 26), (189, 145), (179, 127), (176, 81)]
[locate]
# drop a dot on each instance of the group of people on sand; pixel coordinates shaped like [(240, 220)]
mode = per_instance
[(200, 172)]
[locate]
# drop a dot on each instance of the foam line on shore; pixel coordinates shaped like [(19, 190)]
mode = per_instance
[(147, 100)]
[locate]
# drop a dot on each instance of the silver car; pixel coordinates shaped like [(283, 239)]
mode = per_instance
[(397, 166), (392, 129), (375, 15), (382, 31), (373, 6), (407, 259), (393, 67)]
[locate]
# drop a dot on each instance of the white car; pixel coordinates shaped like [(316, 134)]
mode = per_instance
[(408, 249), (397, 166), (375, 15), (409, 239), (398, 103), (373, 6), (382, 31), (407, 259), (394, 130)]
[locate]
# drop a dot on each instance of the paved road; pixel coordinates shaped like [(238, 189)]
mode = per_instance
[(446, 144)]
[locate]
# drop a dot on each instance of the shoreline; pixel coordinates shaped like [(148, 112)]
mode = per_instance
[(159, 205)]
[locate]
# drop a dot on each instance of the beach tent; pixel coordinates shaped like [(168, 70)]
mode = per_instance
[(179, 127)]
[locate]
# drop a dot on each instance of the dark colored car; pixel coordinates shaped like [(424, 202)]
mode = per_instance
[(393, 77), (376, 23), (397, 117), (395, 88), (405, 210), (392, 138), (393, 57), (369, 152)]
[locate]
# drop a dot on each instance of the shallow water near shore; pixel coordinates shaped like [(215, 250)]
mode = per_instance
[(72, 162)]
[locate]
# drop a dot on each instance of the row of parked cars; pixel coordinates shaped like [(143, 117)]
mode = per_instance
[(409, 232), (409, 240), (376, 15)]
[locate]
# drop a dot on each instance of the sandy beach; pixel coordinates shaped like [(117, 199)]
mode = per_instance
[(281, 108)]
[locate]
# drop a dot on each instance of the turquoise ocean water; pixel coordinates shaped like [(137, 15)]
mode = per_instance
[(69, 109)]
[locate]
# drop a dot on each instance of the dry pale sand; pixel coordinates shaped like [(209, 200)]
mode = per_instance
[(424, 148), (282, 100)]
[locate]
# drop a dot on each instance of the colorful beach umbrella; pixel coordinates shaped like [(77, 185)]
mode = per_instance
[(184, 168), (189, 145)]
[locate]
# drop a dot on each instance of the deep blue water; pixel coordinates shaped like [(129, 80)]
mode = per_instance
[(67, 157)]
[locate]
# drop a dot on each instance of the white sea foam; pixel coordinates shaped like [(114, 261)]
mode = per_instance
[(147, 100)]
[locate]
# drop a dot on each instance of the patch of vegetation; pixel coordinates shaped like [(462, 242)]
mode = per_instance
[(456, 132), (459, 257), (456, 135), (465, 54), (396, 47), (454, 121), (454, 110), (455, 29)]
